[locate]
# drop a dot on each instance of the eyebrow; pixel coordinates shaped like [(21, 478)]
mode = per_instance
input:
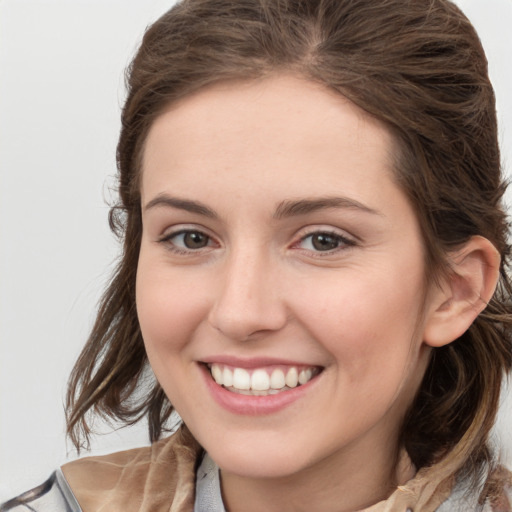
[(181, 204), (287, 209)]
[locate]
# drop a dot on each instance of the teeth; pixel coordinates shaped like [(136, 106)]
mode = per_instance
[(227, 377), (277, 380), (241, 379), (217, 374), (259, 382), (292, 378), (305, 376)]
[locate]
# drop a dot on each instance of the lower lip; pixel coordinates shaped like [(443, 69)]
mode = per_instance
[(251, 405)]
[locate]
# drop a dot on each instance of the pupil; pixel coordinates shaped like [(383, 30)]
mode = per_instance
[(324, 242), (195, 240)]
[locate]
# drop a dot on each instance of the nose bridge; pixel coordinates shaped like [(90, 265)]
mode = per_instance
[(248, 299)]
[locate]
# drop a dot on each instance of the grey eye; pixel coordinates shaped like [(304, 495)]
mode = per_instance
[(192, 240), (325, 241)]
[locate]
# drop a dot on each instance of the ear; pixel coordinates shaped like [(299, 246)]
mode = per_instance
[(462, 295)]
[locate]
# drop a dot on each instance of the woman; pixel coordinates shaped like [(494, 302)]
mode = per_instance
[(314, 267)]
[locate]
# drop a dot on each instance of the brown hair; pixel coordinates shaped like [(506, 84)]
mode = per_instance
[(419, 67)]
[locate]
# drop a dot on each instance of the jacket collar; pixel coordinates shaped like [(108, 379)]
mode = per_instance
[(161, 478)]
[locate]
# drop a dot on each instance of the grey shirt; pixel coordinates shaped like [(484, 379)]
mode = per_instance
[(208, 495), (55, 495)]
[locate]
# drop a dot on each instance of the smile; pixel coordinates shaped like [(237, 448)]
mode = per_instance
[(261, 381)]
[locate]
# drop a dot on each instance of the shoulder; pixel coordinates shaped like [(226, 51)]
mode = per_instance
[(139, 479), (53, 495), (494, 496), (500, 499)]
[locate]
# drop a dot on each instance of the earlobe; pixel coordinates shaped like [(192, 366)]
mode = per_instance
[(464, 293)]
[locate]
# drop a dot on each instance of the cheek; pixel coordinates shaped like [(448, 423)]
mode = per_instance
[(369, 324), (371, 336), (168, 307), (169, 315)]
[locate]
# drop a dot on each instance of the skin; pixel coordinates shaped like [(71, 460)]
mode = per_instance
[(260, 287)]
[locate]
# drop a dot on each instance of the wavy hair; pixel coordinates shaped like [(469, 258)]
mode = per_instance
[(417, 66)]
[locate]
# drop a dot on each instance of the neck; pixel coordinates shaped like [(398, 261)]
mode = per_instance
[(343, 482)]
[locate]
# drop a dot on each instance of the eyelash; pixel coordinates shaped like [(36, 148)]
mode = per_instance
[(343, 242), (167, 240)]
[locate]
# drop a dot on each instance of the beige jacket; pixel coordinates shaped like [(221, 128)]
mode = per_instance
[(161, 478)]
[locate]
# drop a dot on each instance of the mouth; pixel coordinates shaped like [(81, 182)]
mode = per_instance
[(262, 381)]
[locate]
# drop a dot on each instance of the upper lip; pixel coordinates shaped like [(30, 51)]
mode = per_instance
[(254, 362)]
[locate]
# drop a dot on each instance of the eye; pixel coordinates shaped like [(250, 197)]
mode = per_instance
[(324, 241), (187, 240)]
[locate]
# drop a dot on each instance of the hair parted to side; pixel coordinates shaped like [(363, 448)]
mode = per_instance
[(419, 67)]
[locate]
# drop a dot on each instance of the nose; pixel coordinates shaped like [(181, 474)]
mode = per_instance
[(249, 300)]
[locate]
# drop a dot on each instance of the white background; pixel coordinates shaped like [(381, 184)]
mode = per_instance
[(61, 89)]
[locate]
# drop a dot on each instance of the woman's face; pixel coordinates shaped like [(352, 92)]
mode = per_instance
[(279, 255)]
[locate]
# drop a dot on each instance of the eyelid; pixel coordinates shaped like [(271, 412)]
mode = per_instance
[(347, 240), (181, 229), (176, 229)]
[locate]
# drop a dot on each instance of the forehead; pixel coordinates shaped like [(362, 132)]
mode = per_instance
[(276, 129)]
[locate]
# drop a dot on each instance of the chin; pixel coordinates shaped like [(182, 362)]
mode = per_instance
[(258, 465), (264, 457)]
